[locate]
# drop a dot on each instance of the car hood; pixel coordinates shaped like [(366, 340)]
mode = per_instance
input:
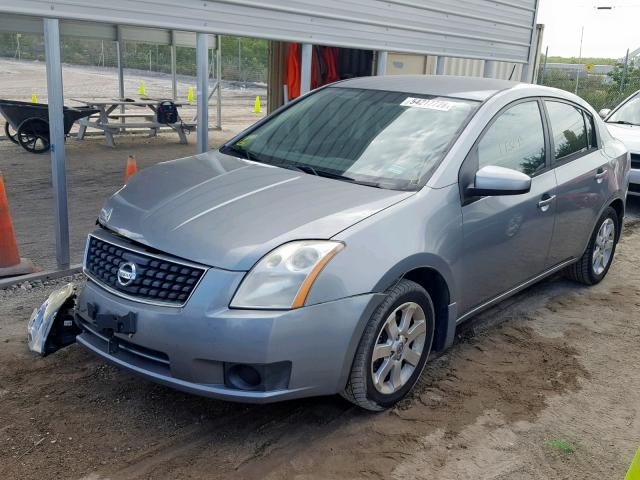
[(627, 134), (226, 212)]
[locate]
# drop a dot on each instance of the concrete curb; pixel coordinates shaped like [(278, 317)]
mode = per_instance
[(42, 276)]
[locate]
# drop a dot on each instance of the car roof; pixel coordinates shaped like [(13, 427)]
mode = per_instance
[(470, 88)]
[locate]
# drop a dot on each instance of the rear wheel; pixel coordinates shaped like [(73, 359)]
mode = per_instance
[(10, 133), (33, 135), (596, 260), (393, 349)]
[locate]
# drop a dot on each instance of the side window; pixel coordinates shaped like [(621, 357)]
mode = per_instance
[(592, 142), (515, 140), (568, 129)]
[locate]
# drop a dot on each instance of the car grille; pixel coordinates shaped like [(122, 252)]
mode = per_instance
[(158, 279), (635, 160)]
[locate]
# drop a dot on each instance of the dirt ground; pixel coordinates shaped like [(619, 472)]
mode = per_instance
[(545, 385), (94, 171)]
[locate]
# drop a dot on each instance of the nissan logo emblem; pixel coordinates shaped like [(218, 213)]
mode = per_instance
[(127, 273)]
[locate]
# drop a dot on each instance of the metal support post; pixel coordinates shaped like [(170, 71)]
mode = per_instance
[(219, 80), (305, 68), (174, 81), (56, 139), (202, 67), (488, 69), (381, 67)]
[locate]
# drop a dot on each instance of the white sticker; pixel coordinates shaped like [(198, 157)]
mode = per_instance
[(428, 103)]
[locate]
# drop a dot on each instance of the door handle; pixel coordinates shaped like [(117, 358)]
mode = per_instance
[(601, 174), (546, 201)]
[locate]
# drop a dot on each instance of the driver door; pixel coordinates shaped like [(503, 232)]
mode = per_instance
[(506, 238)]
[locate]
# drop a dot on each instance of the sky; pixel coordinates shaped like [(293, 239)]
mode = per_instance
[(607, 33)]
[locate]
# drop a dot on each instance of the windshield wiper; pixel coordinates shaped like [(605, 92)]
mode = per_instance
[(337, 176), (241, 152), (323, 173), (298, 167), (624, 122)]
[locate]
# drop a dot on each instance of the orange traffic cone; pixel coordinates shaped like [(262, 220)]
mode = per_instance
[(131, 170), (10, 262)]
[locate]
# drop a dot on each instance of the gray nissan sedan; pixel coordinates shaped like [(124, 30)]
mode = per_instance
[(336, 245)]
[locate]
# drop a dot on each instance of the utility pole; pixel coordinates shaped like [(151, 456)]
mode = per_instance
[(544, 65), (624, 71), (579, 61), (18, 53)]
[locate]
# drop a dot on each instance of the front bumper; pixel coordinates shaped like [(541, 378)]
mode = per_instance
[(191, 348), (634, 182)]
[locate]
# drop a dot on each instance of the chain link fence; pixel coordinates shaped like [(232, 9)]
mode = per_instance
[(602, 86), (243, 59)]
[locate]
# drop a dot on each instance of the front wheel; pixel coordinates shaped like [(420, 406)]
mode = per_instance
[(596, 260), (393, 349)]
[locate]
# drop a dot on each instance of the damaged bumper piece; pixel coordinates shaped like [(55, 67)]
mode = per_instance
[(51, 326)]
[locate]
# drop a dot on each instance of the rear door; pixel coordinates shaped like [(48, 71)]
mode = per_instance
[(506, 238), (582, 172)]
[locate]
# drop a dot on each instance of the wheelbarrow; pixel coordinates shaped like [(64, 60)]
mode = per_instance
[(27, 124)]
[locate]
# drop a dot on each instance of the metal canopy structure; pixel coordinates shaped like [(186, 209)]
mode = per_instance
[(113, 33), (484, 29), (489, 30), (103, 31)]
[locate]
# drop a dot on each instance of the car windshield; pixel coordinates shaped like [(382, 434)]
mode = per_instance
[(629, 113), (384, 139)]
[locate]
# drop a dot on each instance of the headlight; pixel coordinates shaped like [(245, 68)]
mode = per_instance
[(282, 278)]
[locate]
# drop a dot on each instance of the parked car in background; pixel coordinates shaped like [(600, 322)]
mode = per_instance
[(624, 123), (338, 243)]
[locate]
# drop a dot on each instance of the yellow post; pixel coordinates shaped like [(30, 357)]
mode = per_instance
[(634, 468), (34, 98), (190, 95), (256, 105), (142, 90)]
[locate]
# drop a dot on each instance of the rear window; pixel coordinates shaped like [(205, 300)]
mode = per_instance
[(385, 139), (568, 129)]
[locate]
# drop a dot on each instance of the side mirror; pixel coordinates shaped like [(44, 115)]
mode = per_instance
[(492, 180), (604, 113)]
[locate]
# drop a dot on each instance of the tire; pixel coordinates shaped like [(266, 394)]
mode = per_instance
[(403, 366), (586, 270), (33, 135), (10, 133)]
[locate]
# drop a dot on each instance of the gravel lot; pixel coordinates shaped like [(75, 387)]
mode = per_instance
[(544, 385), (94, 171)]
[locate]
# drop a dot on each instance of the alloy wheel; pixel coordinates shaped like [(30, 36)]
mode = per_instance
[(398, 348), (603, 247)]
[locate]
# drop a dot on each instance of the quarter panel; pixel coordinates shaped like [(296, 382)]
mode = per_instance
[(580, 200)]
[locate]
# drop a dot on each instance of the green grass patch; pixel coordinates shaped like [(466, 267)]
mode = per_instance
[(560, 444)]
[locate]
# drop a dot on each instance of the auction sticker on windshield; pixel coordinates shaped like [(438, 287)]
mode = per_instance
[(428, 103)]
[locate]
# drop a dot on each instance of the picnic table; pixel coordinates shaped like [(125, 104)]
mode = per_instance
[(110, 121)]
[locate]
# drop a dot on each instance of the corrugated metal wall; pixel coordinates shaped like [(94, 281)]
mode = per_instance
[(475, 68), (494, 29), (101, 31), (407, 64)]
